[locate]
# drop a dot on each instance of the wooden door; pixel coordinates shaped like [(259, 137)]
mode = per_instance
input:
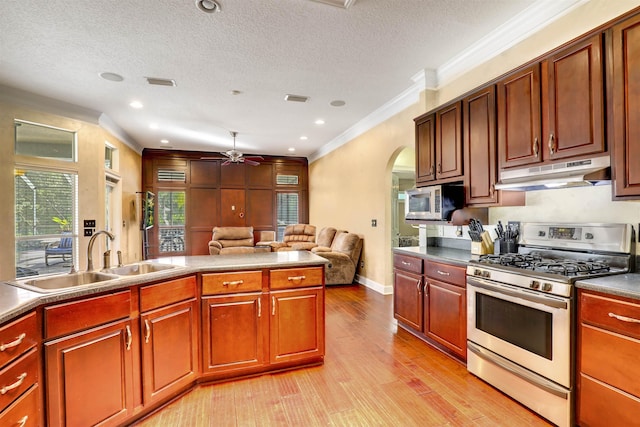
[(169, 349), (407, 299), (233, 332), (449, 142), (232, 207), (446, 316), (425, 148), (296, 325), (625, 38), (89, 376), (519, 120), (480, 151), (573, 101)]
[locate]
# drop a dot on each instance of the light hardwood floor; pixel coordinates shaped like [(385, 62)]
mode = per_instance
[(374, 374)]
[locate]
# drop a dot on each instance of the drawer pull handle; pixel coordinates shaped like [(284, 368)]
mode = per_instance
[(147, 331), (624, 318), (233, 283), (14, 343), (23, 421), (443, 273), (273, 306), (20, 380), (295, 278), (406, 263), (129, 337)]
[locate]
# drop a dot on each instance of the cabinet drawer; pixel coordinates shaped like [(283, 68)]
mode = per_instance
[(611, 358), (17, 337), (602, 405), (611, 314), (448, 273), (165, 293), (75, 316), (228, 283), (296, 278), (25, 411), (18, 377), (407, 263)]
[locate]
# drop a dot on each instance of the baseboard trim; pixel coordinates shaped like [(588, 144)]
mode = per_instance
[(378, 287)]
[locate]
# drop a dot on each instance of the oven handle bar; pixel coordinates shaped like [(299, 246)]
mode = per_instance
[(518, 371), (542, 299)]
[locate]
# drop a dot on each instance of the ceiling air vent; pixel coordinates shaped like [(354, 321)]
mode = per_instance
[(165, 175), (296, 98), (160, 82)]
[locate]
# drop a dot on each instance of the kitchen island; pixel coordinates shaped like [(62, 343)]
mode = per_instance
[(136, 342)]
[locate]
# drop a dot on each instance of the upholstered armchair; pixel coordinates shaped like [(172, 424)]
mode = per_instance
[(343, 255), (297, 237), (233, 240)]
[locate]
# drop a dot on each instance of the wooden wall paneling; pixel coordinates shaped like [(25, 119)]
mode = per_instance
[(205, 172), (232, 175), (232, 208), (260, 176), (260, 209)]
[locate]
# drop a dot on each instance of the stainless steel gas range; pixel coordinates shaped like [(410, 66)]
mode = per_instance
[(520, 310)]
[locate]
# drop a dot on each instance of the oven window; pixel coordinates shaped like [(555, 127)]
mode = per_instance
[(522, 326)]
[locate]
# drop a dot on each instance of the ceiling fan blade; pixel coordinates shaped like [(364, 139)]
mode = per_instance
[(248, 161), (227, 162), (254, 157)]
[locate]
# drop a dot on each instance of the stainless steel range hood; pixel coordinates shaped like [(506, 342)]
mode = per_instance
[(576, 173)]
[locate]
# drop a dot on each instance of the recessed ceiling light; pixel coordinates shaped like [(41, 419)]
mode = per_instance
[(304, 138), (164, 141), (337, 103), (291, 149), (113, 77), (319, 122), (208, 6), (136, 104), (153, 126)]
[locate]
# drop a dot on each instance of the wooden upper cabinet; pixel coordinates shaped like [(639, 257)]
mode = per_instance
[(625, 40), (573, 101), (425, 148), (449, 142), (480, 151), (519, 123)]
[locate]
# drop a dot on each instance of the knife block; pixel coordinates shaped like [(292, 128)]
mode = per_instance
[(484, 247)]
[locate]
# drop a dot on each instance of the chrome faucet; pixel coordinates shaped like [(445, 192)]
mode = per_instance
[(90, 247)]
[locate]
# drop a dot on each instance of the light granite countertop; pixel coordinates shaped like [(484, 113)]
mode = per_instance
[(624, 285), (15, 301), (454, 256)]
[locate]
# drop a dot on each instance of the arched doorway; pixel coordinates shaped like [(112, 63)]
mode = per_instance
[(403, 177)]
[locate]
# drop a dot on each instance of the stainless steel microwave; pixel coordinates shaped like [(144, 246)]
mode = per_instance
[(433, 203)]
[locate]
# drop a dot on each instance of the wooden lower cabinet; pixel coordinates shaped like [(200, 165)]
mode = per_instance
[(607, 361), (408, 304), (445, 315), (90, 376), (233, 332), (169, 349), (296, 325)]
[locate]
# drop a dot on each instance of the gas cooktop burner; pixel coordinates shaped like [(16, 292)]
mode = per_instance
[(564, 267)]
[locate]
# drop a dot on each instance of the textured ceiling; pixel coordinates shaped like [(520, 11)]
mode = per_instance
[(365, 54)]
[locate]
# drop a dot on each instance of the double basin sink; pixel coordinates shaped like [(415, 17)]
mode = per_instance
[(57, 283)]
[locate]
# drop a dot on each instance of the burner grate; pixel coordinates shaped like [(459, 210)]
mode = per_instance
[(534, 262)]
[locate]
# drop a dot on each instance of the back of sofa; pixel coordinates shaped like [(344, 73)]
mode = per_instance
[(233, 236)]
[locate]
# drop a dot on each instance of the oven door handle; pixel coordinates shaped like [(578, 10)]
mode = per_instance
[(518, 371), (540, 299)]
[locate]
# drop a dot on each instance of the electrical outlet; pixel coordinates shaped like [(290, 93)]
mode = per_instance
[(361, 264)]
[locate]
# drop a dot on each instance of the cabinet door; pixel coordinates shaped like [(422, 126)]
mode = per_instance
[(480, 153), (626, 107), (233, 332), (446, 316), (297, 325), (232, 209), (89, 376), (169, 349), (519, 123), (407, 299), (573, 99), (425, 148), (449, 142)]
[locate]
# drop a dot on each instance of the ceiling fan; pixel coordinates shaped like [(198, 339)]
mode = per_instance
[(235, 156)]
